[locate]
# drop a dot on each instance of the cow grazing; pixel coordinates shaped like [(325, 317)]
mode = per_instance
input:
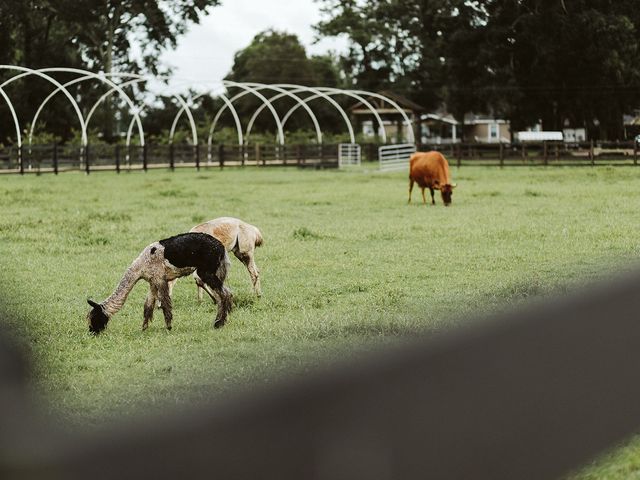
[(431, 170)]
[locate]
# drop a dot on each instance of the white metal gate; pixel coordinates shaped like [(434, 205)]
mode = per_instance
[(395, 157), (349, 154)]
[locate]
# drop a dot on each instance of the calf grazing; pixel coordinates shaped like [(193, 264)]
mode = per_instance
[(431, 170), (162, 262), (238, 237)]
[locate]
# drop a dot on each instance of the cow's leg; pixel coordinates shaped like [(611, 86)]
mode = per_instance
[(424, 199), (149, 305), (433, 200), (410, 188)]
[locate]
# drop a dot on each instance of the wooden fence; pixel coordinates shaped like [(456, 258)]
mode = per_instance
[(57, 158), (529, 395), (544, 153)]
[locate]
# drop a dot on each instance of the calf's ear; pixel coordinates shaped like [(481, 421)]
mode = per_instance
[(93, 304)]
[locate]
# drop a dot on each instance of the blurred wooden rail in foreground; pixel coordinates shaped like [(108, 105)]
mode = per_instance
[(528, 395)]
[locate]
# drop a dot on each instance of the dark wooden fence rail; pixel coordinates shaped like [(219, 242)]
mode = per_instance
[(530, 395), (57, 158), (545, 153)]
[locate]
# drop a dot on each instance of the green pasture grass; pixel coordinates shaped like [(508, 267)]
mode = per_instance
[(346, 265)]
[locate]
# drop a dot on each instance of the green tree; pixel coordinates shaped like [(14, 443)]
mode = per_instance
[(399, 45), (93, 34), (108, 26), (368, 63), (272, 57), (557, 61), (32, 35)]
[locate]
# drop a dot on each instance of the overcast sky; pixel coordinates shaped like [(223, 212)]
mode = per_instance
[(206, 52)]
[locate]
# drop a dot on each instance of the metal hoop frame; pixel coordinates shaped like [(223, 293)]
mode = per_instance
[(247, 88), (256, 92), (114, 88), (282, 93), (300, 89), (29, 71)]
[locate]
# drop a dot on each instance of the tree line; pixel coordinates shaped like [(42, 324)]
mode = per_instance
[(556, 62)]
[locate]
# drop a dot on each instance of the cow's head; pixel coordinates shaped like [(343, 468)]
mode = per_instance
[(446, 191)]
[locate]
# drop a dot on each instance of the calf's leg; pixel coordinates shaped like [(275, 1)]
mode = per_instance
[(171, 284), (247, 259), (149, 306), (164, 294), (221, 295)]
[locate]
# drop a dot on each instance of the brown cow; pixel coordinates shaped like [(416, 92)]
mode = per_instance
[(431, 170)]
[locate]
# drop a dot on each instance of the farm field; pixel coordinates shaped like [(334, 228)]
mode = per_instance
[(346, 266)]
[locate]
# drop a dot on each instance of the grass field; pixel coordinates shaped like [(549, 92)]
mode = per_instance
[(346, 265)]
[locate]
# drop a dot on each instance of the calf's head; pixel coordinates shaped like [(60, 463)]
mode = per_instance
[(97, 318)]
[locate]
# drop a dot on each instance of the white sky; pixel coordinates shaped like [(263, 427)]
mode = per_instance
[(206, 52)]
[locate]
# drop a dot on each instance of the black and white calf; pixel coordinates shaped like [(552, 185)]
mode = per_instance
[(164, 261)]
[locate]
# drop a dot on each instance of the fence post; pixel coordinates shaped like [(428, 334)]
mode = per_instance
[(501, 155), (557, 152), (591, 154), (172, 160), (545, 152), (117, 158), (144, 157), (283, 152), (35, 162), (21, 159), (257, 154), (197, 154), (85, 154), (243, 151), (221, 155), (55, 158)]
